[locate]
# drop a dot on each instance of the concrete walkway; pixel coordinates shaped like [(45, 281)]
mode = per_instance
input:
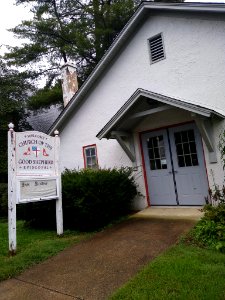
[(179, 213), (95, 268)]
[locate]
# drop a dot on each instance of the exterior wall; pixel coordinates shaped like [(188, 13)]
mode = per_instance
[(190, 72), (216, 174)]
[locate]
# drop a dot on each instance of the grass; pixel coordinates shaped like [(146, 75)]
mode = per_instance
[(33, 246), (183, 272)]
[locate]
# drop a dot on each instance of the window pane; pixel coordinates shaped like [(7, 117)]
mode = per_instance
[(186, 148), (87, 152), (149, 143), (155, 142), (160, 141), (151, 153), (188, 162), (152, 164), (92, 150), (177, 136), (192, 147), (162, 152), (184, 136), (156, 152), (91, 158), (88, 161), (158, 164), (191, 136), (181, 161), (163, 164), (179, 149)]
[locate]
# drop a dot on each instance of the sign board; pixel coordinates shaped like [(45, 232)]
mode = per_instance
[(35, 154), (37, 189), (33, 174)]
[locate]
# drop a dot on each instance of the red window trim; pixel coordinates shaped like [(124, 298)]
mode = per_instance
[(84, 156)]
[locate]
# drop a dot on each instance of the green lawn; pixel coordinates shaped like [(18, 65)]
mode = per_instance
[(183, 272), (33, 246)]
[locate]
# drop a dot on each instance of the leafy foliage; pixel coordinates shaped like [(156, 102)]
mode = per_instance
[(210, 230), (14, 90), (62, 31), (3, 200), (46, 97), (91, 199), (79, 31)]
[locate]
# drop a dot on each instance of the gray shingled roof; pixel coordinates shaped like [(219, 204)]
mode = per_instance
[(43, 120)]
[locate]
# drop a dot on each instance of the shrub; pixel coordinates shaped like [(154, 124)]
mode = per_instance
[(3, 200), (91, 199), (210, 230)]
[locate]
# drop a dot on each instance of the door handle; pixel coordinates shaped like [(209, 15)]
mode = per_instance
[(171, 172)]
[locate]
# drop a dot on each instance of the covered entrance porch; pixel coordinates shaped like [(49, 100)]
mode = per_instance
[(168, 140)]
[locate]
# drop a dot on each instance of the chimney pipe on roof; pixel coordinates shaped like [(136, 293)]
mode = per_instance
[(69, 82)]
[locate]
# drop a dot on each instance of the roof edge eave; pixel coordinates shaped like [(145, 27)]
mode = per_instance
[(177, 103), (119, 41)]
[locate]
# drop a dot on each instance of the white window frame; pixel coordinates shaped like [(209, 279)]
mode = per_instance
[(86, 166)]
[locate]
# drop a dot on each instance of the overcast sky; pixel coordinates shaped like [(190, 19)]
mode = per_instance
[(11, 15)]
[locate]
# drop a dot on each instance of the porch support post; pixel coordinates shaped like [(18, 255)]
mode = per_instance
[(205, 128), (130, 152)]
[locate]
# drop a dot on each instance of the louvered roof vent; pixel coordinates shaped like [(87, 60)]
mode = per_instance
[(156, 48)]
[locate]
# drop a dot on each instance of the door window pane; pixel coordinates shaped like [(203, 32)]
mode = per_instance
[(156, 152), (188, 162), (181, 161), (186, 148)]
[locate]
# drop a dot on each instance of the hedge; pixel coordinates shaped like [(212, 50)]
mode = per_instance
[(91, 199)]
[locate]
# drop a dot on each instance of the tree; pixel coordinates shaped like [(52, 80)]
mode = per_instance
[(66, 30), (63, 30), (14, 90)]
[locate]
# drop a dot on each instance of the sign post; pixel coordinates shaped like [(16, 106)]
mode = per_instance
[(11, 190), (59, 217), (33, 174)]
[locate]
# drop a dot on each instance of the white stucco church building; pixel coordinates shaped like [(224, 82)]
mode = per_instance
[(155, 102)]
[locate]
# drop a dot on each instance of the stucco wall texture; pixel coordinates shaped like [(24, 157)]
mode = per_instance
[(193, 71)]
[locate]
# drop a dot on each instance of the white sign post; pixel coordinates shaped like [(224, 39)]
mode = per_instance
[(33, 174)]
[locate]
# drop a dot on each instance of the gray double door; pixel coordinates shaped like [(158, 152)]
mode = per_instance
[(175, 167)]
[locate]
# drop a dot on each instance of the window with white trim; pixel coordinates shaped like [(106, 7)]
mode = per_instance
[(157, 51), (90, 157)]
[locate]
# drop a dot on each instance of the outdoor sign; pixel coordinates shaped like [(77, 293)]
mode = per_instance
[(33, 174), (35, 154), (38, 189)]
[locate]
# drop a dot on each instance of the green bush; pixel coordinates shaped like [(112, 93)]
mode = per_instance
[(91, 199), (210, 230), (3, 200)]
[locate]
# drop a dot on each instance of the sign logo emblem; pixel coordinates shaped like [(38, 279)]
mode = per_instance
[(36, 150)]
